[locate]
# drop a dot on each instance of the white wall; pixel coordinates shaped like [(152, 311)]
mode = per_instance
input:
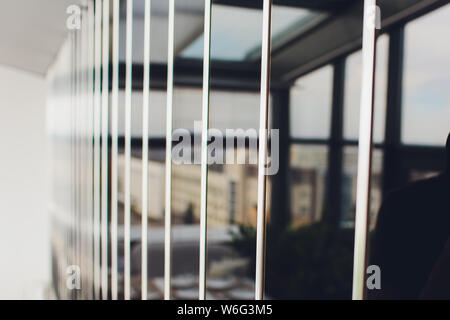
[(24, 219)]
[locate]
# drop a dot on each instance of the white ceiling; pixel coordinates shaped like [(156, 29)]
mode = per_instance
[(31, 32)]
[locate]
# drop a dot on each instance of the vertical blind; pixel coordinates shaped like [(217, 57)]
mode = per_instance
[(84, 112)]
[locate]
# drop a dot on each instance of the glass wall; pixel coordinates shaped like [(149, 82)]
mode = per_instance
[(316, 225), (349, 177), (310, 118), (309, 257), (311, 254), (309, 165), (352, 95), (426, 78), (310, 105)]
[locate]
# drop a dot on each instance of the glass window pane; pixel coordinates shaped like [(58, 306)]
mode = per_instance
[(426, 95), (309, 258), (231, 44), (308, 179), (416, 175), (157, 119), (232, 199), (234, 110), (349, 178), (352, 93), (310, 104)]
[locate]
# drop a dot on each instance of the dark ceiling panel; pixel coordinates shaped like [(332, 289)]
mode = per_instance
[(339, 35)]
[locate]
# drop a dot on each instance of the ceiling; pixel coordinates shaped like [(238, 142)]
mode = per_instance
[(31, 32)]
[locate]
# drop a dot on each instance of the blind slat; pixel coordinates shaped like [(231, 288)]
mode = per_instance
[(168, 162), (105, 136), (262, 156), (204, 150), (114, 148), (365, 150), (145, 136), (127, 213), (97, 159)]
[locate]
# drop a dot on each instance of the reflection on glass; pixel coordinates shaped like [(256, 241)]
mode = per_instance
[(310, 104), (311, 258), (232, 203), (417, 175), (308, 179), (426, 98), (232, 191), (352, 95), (232, 197), (185, 195), (349, 179)]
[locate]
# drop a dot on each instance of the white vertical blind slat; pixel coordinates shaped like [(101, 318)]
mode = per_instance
[(145, 136), (364, 150), (83, 186), (262, 156), (104, 157), (97, 159), (168, 178), (127, 213), (114, 148), (204, 150), (90, 68)]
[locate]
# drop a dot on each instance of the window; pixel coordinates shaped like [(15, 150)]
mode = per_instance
[(310, 227), (231, 44), (426, 95), (352, 94), (310, 105), (308, 179), (349, 179)]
